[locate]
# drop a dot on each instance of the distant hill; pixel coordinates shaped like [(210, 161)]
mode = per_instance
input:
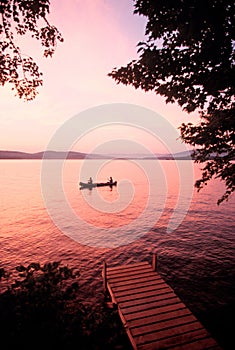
[(16, 155), (49, 155), (186, 155), (40, 155), (79, 155)]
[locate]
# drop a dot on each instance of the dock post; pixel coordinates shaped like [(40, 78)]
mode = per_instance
[(105, 276), (154, 262)]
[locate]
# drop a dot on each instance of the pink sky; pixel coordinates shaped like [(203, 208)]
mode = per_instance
[(99, 35)]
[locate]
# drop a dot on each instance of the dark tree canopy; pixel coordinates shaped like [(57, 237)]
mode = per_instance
[(188, 57), (21, 17)]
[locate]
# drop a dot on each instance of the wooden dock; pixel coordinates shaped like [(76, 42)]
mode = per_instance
[(154, 317)]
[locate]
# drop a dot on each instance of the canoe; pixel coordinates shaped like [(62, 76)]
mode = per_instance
[(97, 184)]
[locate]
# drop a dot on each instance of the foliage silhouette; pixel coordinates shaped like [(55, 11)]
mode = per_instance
[(22, 17), (43, 308), (188, 57)]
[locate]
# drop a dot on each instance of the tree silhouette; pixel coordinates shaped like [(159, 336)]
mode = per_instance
[(21, 17), (188, 57)]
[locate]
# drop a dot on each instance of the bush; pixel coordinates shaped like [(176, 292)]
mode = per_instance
[(42, 307)]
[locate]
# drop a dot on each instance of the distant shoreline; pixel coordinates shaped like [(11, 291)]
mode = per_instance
[(4, 155)]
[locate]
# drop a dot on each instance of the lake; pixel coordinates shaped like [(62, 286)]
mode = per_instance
[(154, 208)]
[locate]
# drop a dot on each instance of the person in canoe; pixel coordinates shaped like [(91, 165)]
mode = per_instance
[(90, 181), (111, 180)]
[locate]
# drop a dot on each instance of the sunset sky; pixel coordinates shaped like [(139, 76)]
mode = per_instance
[(99, 35)]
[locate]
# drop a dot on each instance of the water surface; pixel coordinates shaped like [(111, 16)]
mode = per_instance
[(197, 259)]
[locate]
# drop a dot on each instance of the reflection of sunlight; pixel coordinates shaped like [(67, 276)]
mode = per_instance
[(146, 189), (103, 207), (172, 177)]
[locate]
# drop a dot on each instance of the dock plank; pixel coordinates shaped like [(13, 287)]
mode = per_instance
[(130, 270), (154, 317), (131, 278), (142, 299), (150, 306), (137, 285), (151, 292), (139, 288), (171, 314), (164, 325), (195, 339), (168, 333), (122, 268)]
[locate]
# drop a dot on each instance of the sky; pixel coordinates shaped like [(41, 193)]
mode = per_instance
[(98, 36)]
